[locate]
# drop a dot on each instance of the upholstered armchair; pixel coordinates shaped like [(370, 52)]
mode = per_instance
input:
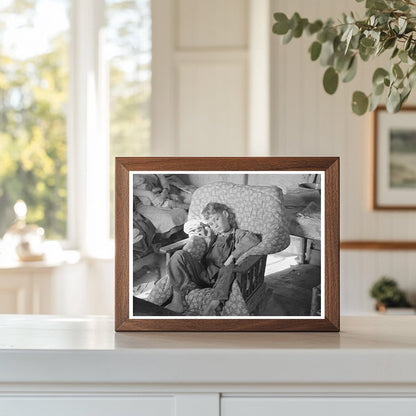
[(258, 209)]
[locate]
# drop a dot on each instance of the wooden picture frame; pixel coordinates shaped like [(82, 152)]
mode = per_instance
[(255, 169), (394, 158)]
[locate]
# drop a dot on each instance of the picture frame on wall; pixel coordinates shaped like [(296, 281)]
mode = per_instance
[(394, 150), (227, 244)]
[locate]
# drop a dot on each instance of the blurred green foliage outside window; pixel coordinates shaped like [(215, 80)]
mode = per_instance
[(33, 99), (34, 91)]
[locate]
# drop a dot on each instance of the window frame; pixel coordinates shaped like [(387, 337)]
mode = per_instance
[(87, 133)]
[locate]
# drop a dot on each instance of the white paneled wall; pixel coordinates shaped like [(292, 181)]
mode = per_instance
[(212, 104), (212, 24), (308, 122), (201, 110)]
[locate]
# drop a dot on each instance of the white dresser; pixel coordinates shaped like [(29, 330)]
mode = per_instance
[(79, 366)]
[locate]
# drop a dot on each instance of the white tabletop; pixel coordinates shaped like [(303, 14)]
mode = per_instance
[(52, 332), (57, 349)]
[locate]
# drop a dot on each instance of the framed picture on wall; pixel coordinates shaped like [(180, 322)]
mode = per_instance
[(227, 244), (394, 179)]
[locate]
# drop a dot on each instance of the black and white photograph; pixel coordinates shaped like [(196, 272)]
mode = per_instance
[(394, 176), (403, 158), (226, 244)]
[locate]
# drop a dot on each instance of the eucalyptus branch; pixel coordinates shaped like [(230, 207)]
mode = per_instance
[(388, 26), (405, 38)]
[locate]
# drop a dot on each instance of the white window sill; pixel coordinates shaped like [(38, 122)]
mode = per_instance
[(66, 257)]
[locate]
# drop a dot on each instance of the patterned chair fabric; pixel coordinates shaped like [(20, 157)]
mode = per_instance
[(258, 209), (198, 300)]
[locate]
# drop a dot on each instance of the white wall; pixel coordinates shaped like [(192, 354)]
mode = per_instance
[(200, 77), (308, 122)]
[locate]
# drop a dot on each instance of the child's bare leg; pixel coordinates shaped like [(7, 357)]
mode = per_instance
[(176, 305)]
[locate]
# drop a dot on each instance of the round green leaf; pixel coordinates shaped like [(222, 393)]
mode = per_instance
[(376, 4), (395, 52), (298, 30), (397, 71), (374, 102), (403, 56), (379, 75), (294, 20), (327, 54), (366, 53), (315, 50), (281, 27), (378, 90), (342, 61), (332, 33), (393, 101), (314, 27), (330, 80), (355, 41), (389, 43), (367, 42), (400, 5), (322, 36), (351, 71), (359, 103), (288, 37)]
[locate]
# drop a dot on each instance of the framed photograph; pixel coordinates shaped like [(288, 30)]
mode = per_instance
[(227, 244), (394, 181)]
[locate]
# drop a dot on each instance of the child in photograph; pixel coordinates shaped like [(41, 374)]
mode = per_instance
[(229, 245), (186, 271)]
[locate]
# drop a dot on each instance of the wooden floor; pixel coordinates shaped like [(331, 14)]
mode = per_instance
[(289, 292)]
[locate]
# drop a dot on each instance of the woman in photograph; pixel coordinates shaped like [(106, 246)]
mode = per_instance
[(215, 270)]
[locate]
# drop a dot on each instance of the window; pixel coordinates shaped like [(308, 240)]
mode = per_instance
[(75, 87), (33, 98)]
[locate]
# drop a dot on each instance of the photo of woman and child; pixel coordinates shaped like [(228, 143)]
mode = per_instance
[(216, 243), (206, 261)]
